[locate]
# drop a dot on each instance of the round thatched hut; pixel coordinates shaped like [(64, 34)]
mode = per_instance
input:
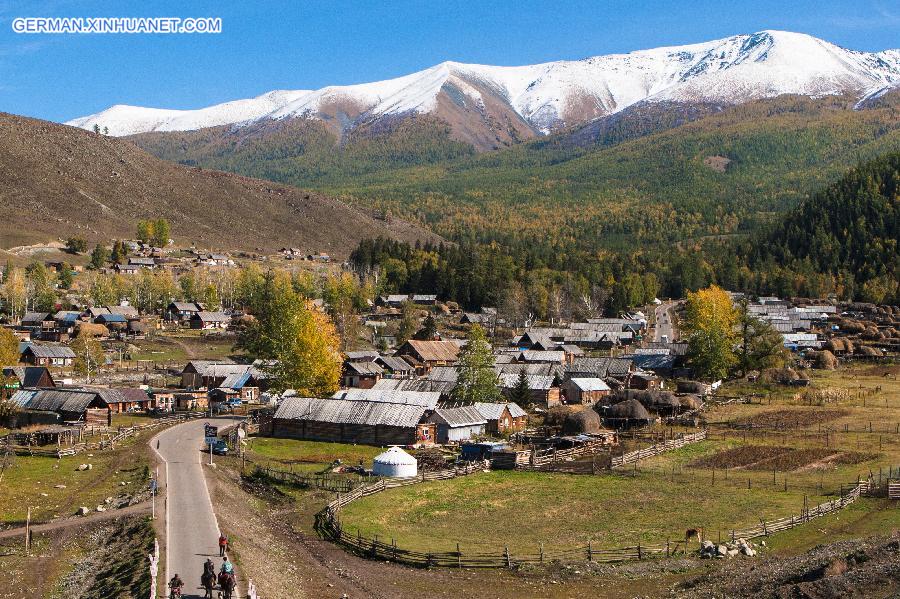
[(627, 413), (584, 422)]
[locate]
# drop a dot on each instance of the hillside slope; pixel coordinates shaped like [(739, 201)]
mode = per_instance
[(57, 181), (849, 230)]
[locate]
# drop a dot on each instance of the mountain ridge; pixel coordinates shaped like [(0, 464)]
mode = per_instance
[(492, 106), (56, 181)]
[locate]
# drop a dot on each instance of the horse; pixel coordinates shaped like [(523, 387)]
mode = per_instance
[(226, 585), (208, 582), (692, 533)]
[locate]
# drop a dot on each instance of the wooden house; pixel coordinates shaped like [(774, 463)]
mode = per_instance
[(502, 418), (428, 354), (206, 321), (352, 421), (71, 405), (543, 393), (30, 377), (457, 424), (362, 375), (586, 391), (181, 311), (48, 355)]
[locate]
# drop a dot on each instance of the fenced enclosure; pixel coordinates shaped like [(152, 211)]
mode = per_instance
[(329, 526)]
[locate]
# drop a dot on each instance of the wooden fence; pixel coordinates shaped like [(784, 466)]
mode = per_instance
[(312, 481), (654, 450), (893, 488), (328, 525)]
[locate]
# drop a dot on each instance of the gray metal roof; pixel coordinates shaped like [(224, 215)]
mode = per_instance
[(535, 381), (590, 384), (51, 351), (343, 411), (493, 411), (426, 385), (459, 416), (428, 399), (395, 363), (59, 400), (599, 367)]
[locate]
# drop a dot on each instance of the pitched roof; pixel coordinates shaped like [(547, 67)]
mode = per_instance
[(58, 400), (363, 368), (435, 351), (540, 382), (360, 356), (50, 351), (493, 411), (346, 411), (599, 367), (459, 416), (28, 376), (35, 317), (533, 355), (185, 306), (421, 385), (212, 316), (590, 384), (395, 363), (427, 399)]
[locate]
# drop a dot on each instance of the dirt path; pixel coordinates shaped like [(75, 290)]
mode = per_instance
[(138, 508)]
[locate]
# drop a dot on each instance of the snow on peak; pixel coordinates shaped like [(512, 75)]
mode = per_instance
[(731, 70)]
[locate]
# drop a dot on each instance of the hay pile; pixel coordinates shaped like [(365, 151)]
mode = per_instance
[(583, 422), (868, 350), (824, 396), (90, 329), (779, 376), (557, 415), (823, 360), (838, 345)]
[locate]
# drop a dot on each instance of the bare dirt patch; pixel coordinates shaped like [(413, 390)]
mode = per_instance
[(717, 163), (787, 418), (783, 459)]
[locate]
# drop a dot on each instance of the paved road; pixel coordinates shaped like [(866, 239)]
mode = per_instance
[(664, 324), (192, 531)]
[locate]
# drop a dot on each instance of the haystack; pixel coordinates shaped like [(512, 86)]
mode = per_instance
[(868, 350), (823, 360), (557, 415), (90, 329), (627, 413), (586, 422)]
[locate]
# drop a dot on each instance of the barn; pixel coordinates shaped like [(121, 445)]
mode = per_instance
[(352, 421), (71, 405), (502, 418)]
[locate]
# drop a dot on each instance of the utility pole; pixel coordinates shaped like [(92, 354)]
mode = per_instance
[(28, 532)]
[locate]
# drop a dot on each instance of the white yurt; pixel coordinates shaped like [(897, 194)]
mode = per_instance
[(394, 463)]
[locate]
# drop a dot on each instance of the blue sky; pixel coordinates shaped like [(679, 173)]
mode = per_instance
[(307, 45)]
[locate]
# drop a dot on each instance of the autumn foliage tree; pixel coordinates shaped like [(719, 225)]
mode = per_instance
[(711, 327), (298, 343)]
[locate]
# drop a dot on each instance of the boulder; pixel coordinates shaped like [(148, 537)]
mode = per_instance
[(83, 511), (59, 486), (100, 508), (82, 467)]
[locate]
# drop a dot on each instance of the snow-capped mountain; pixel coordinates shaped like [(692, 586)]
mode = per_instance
[(485, 104)]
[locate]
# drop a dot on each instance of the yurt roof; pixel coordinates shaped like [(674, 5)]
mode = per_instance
[(395, 457)]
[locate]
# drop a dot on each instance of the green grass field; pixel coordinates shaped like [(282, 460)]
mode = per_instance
[(666, 494), (309, 455), (29, 479)]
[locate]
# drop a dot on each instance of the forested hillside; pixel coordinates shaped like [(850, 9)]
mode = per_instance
[(619, 183), (850, 231), (842, 241)]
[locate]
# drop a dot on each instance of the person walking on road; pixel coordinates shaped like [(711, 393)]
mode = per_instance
[(223, 544)]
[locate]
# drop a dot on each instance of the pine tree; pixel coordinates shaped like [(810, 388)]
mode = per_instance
[(99, 257), (521, 392), (477, 380)]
